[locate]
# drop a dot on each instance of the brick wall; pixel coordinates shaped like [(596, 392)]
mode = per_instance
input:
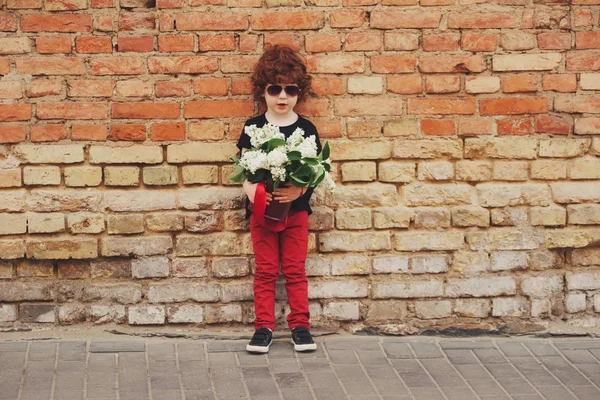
[(465, 135)]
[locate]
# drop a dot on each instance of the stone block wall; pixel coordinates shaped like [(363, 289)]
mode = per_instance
[(465, 136)]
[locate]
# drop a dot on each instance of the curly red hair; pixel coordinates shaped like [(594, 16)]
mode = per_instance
[(280, 64)]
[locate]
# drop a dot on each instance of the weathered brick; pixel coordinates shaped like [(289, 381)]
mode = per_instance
[(417, 241), (342, 311), (362, 171), (548, 216), (476, 308), (407, 290), (83, 176), (121, 176), (135, 246), (501, 239), (229, 267), (217, 244), (481, 287), (575, 302), (584, 214), (391, 217), (431, 217), (575, 192), (508, 307), (354, 241), (146, 315), (353, 218), (433, 309), (424, 194), (185, 314), (45, 222)]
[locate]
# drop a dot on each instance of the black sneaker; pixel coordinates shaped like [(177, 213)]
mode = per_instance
[(302, 339), (261, 341)]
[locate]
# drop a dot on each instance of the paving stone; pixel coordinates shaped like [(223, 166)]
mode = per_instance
[(463, 356), (466, 344), (426, 350), (541, 349), (224, 346), (161, 351), (513, 349), (342, 357), (12, 346), (191, 351), (577, 344), (490, 356), (72, 351), (580, 356), (398, 350), (117, 347)]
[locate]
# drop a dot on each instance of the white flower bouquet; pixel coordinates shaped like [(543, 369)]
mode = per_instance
[(276, 160)]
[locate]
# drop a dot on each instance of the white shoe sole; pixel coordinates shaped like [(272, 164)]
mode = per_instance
[(304, 347), (258, 349)]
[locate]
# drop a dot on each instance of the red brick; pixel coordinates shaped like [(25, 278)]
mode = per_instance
[(513, 105), (137, 21), (198, 3), (139, 44), (356, 41), (407, 84), (174, 131), (241, 85), (13, 134), (358, 3), (173, 89), (56, 23), (235, 128), (577, 104), (587, 40), (479, 42), (212, 86), (427, 3), (90, 88), (483, 20), (352, 107), (8, 22), (475, 126), (328, 128), (93, 44), (583, 61), (182, 65), (102, 3), (514, 126), (42, 87), (218, 108), (364, 129), (88, 132), (552, 125), (452, 63), (347, 18), (248, 43), (15, 112), (587, 126), (11, 90), (207, 130), (169, 4), (442, 84), (217, 42), (336, 64), (24, 4), (401, 41), (166, 22), (127, 132), (313, 107), (65, 5), (148, 110), (438, 127), (441, 42), (551, 18), (286, 20), (4, 66), (405, 19), (560, 82), (291, 39), (323, 42), (66, 110), (398, 2), (393, 64), (48, 133), (519, 83), (117, 66), (104, 23), (51, 66), (582, 18), (554, 41), (327, 85), (175, 43), (212, 21), (442, 106), (52, 45), (241, 63)]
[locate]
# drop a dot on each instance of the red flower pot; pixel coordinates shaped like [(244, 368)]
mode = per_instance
[(275, 210)]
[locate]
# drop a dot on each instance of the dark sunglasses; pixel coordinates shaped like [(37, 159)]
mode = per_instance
[(290, 90)]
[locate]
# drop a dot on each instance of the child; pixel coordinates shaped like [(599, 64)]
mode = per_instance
[(280, 80)]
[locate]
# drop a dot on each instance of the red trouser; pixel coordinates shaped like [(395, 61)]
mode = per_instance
[(292, 244)]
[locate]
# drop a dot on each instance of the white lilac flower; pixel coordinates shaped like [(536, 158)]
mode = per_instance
[(295, 139), (278, 174), (328, 182), (308, 147), (258, 136), (253, 160), (277, 157)]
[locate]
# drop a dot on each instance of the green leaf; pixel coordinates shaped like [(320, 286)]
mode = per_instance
[(239, 177), (325, 151), (311, 161), (258, 176), (271, 144), (318, 179), (298, 182), (294, 155), (327, 167)]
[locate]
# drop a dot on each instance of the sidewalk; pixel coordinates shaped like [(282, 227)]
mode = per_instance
[(344, 367)]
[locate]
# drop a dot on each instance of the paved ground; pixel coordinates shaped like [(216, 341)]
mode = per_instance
[(362, 368)]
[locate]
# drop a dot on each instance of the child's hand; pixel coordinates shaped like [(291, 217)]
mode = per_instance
[(288, 193), (250, 190)]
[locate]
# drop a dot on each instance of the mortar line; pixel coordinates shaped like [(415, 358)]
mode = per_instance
[(22, 381), (312, 391), (54, 372), (458, 372), (396, 372), (179, 370), (368, 376)]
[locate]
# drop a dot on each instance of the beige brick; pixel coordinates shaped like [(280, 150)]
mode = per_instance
[(365, 84), (575, 302), (354, 241), (69, 314), (517, 40), (12, 224), (589, 256), (589, 126), (318, 265), (548, 169), (395, 171), (150, 267), (353, 218), (501, 195), (583, 280), (367, 195), (49, 154), (164, 222), (435, 170), (62, 248), (473, 171), (349, 150), (576, 192), (509, 307), (238, 291), (215, 244), (160, 176), (115, 246), (565, 148), (407, 290), (424, 194), (134, 88), (64, 200), (510, 170), (322, 219), (513, 147), (217, 314), (595, 149), (121, 176), (11, 249), (526, 62), (464, 216), (83, 176), (587, 167), (548, 216), (391, 264), (402, 127), (201, 174), (418, 241), (584, 214), (482, 84), (139, 200), (211, 198), (569, 237), (134, 154), (226, 172), (589, 81), (386, 310), (114, 293), (85, 223), (8, 313), (481, 287), (45, 222), (509, 216), (10, 177), (41, 175), (470, 262), (365, 171), (501, 239), (350, 264), (6, 270), (342, 310), (146, 315), (185, 314), (117, 224), (542, 286), (195, 267), (475, 308), (509, 260), (392, 217), (200, 152), (429, 264), (230, 267), (433, 309), (428, 148), (203, 221), (431, 217)]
